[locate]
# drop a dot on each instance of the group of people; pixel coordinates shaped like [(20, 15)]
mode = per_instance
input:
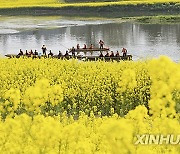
[(73, 50), (27, 53), (124, 51), (35, 53), (84, 47), (101, 46), (44, 49)]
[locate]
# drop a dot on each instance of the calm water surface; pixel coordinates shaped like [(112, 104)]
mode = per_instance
[(57, 33)]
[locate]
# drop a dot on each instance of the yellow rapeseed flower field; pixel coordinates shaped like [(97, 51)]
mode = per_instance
[(59, 106)]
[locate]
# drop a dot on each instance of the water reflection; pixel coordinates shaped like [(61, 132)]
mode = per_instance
[(141, 40)]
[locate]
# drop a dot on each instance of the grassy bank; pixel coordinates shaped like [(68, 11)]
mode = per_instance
[(162, 19), (60, 7), (61, 3)]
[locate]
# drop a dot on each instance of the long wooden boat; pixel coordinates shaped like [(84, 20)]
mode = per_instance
[(95, 58), (11, 56), (18, 56), (90, 50), (83, 58)]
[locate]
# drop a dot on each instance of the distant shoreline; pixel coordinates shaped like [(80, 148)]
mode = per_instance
[(109, 10)]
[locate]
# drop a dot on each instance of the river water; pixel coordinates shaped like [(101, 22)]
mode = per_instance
[(59, 33)]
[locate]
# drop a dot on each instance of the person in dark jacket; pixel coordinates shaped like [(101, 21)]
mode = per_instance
[(78, 46), (112, 54), (85, 46), (117, 54), (35, 53), (66, 54), (50, 53), (107, 54), (20, 52), (44, 50), (59, 54), (27, 53), (101, 43), (31, 52)]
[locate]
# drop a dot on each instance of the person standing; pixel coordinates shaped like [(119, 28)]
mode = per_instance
[(44, 50), (20, 52), (27, 53), (124, 51), (101, 43)]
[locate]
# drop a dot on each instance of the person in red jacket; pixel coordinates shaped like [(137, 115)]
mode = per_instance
[(124, 51)]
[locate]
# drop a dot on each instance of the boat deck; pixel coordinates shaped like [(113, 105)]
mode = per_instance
[(90, 50), (84, 58)]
